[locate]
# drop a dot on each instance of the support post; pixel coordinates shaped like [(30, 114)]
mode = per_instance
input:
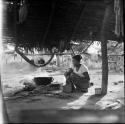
[(104, 32)]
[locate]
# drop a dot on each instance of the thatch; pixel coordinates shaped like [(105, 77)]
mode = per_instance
[(49, 22)]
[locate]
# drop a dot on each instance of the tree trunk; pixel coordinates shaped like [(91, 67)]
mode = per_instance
[(104, 32)]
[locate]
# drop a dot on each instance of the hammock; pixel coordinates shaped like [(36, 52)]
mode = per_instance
[(30, 61)]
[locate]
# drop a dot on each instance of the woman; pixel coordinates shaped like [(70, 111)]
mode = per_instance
[(77, 77)]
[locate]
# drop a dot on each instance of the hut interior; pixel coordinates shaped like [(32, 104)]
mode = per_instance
[(52, 23), (48, 24)]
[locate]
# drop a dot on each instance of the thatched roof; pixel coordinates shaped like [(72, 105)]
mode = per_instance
[(51, 21)]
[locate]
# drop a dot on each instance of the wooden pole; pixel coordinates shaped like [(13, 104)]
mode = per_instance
[(104, 39), (58, 60)]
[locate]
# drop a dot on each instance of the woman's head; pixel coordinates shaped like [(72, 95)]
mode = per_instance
[(76, 59)]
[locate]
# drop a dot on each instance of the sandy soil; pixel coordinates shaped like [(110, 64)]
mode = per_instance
[(13, 73)]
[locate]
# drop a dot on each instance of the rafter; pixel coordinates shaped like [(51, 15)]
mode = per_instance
[(49, 23)]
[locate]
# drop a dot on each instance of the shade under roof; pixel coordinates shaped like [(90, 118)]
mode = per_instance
[(51, 21)]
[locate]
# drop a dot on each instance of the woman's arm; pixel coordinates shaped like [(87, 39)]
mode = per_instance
[(77, 75), (68, 72), (86, 75), (83, 75)]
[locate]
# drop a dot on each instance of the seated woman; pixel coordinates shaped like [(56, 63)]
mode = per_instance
[(77, 77)]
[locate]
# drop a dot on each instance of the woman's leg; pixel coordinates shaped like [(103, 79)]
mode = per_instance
[(81, 83), (69, 87)]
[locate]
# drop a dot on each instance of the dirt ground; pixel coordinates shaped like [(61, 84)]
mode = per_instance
[(50, 106)]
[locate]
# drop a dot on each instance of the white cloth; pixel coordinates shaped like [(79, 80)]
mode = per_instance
[(81, 70)]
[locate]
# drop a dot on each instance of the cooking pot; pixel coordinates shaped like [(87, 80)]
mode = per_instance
[(43, 80)]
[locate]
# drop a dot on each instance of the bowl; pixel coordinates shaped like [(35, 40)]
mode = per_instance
[(98, 91)]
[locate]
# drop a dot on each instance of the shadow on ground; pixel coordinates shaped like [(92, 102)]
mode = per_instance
[(71, 116), (92, 100)]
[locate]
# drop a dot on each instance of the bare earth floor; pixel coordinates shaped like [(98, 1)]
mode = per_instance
[(43, 108)]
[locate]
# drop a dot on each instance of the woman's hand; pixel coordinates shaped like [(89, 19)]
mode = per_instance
[(65, 74), (68, 72), (75, 75), (81, 75)]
